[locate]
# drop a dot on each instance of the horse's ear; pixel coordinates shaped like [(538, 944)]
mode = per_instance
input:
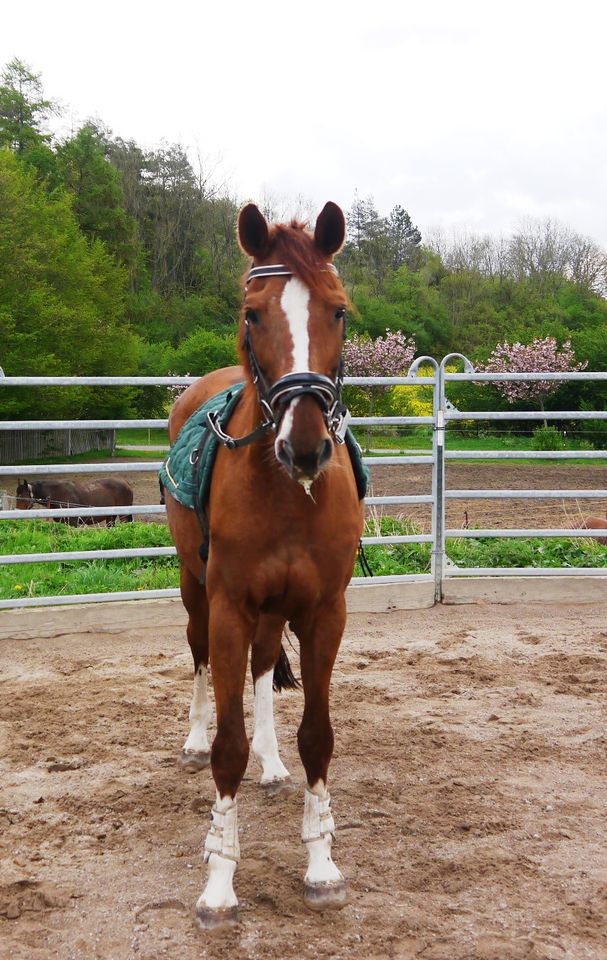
[(330, 230), (253, 232)]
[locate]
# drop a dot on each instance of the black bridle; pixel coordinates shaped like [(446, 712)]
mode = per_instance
[(275, 398)]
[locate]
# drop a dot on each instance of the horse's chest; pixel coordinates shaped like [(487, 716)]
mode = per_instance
[(281, 574)]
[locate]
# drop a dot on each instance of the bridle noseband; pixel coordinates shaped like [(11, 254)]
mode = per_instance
[(275, 398)]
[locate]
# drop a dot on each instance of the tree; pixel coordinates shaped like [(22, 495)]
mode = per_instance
[(98, 198), (539, 356), (23, 108), (388, 356), (204, 351), (61, 301), (404, 237), (377, 245), (363, 223)]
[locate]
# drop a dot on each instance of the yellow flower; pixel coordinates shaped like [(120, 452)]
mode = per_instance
[(18, 586)]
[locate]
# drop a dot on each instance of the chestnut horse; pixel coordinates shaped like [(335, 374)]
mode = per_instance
[(284, 523), (61, 494)]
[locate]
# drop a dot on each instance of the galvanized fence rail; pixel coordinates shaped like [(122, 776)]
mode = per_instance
[(443, 413)]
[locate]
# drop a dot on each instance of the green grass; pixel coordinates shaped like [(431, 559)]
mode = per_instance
[(94, 456), (482, 552), (87, 576), (152, 437), (142, 573)]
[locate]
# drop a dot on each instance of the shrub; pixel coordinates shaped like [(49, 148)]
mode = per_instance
[(548, 438)]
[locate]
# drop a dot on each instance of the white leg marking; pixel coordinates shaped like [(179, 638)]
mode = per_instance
[(265, 744), (222, 838), (200, 714), (317, 834)]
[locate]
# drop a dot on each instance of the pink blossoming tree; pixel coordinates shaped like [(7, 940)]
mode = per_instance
[(539, 356), (388, 356)]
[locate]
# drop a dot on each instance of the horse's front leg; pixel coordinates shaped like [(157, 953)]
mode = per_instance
[(324, 885), (265, 653), (196, 753), (230, 634)]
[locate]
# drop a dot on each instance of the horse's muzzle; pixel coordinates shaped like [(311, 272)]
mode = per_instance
[(304, 465)]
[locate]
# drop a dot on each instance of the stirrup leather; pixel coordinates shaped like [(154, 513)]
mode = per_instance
[(222, 837)]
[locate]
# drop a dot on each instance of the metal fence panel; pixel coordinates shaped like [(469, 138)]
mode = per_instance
[(443, 413)]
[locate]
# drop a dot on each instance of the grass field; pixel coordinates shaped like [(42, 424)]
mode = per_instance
[(142, 573), (143, 437)]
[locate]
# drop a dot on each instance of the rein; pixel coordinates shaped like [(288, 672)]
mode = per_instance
[(275, 398)]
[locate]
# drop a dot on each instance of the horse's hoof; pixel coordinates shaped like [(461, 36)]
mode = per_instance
[(192, 761), (209, 919), (326, 896), (275, 788)]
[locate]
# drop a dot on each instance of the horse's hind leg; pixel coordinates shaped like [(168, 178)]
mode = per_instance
[(265, 653), (196, 752), (324, 885)]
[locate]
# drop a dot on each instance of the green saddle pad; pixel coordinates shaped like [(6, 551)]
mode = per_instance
[(189, 487)]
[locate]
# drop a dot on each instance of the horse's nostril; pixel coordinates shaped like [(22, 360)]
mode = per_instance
[(325, 449), (284, 452)]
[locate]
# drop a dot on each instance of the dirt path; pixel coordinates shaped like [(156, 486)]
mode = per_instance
[(468, 784)]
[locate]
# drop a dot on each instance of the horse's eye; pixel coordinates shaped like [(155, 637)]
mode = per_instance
[(251, 317), (340, 313)]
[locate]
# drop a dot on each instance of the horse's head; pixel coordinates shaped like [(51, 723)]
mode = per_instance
[(25, 495), (292, 333)]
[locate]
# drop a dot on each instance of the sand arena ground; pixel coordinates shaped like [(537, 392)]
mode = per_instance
[(468, 787)]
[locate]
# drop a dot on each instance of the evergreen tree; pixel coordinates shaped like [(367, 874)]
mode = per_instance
[(98, 198), (23, 108)]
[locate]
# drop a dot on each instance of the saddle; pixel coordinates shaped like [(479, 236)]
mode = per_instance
[(188, 469)]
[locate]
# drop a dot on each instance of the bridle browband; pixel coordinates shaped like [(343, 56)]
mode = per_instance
[(275, 398)]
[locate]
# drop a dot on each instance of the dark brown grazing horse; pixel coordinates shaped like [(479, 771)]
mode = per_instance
[(285, 522), (61, 494)]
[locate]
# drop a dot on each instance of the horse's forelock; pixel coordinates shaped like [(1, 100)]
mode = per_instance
[(294, 246)]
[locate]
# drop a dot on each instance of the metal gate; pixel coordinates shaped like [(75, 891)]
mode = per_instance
[(443, 413)]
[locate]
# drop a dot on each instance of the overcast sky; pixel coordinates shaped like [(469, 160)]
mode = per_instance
[(470, 115)]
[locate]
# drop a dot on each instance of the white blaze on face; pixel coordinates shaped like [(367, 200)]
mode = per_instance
[(295, 301)]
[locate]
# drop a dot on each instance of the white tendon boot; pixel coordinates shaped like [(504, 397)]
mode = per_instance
[(324, 885), (217, 904)]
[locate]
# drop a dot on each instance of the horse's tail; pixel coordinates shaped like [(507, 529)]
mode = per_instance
[(284, 678)]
